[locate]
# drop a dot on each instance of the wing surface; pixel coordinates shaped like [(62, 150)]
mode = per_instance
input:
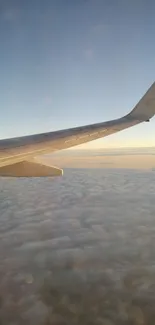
[(20, 149)]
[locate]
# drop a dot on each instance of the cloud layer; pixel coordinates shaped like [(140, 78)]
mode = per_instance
[(78, 248)]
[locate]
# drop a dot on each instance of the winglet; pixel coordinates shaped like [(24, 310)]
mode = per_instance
[(145, 109)]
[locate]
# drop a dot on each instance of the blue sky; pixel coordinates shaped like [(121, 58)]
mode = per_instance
[(65, 63)]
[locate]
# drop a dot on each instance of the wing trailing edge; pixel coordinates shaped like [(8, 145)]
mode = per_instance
[(30, 169)]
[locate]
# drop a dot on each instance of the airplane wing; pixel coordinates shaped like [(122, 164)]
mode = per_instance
[(17, 154)]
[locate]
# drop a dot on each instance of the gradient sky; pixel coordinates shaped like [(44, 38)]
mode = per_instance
[(66, 63)]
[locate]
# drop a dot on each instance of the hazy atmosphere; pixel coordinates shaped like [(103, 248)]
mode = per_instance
[(132, 158)]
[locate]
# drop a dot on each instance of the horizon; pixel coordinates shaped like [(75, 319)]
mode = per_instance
[(111, 149), (128, 158)]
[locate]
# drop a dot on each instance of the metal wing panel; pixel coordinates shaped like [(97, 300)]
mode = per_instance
[(19, 149)]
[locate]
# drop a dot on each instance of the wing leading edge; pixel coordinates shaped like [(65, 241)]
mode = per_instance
[(24, 148)]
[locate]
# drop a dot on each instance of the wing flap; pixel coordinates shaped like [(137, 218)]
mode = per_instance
[(30, 169)]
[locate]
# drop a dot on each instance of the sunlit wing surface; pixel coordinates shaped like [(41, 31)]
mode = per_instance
[(13, 152)]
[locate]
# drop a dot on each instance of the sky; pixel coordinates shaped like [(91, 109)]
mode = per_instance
[(65, 63)]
